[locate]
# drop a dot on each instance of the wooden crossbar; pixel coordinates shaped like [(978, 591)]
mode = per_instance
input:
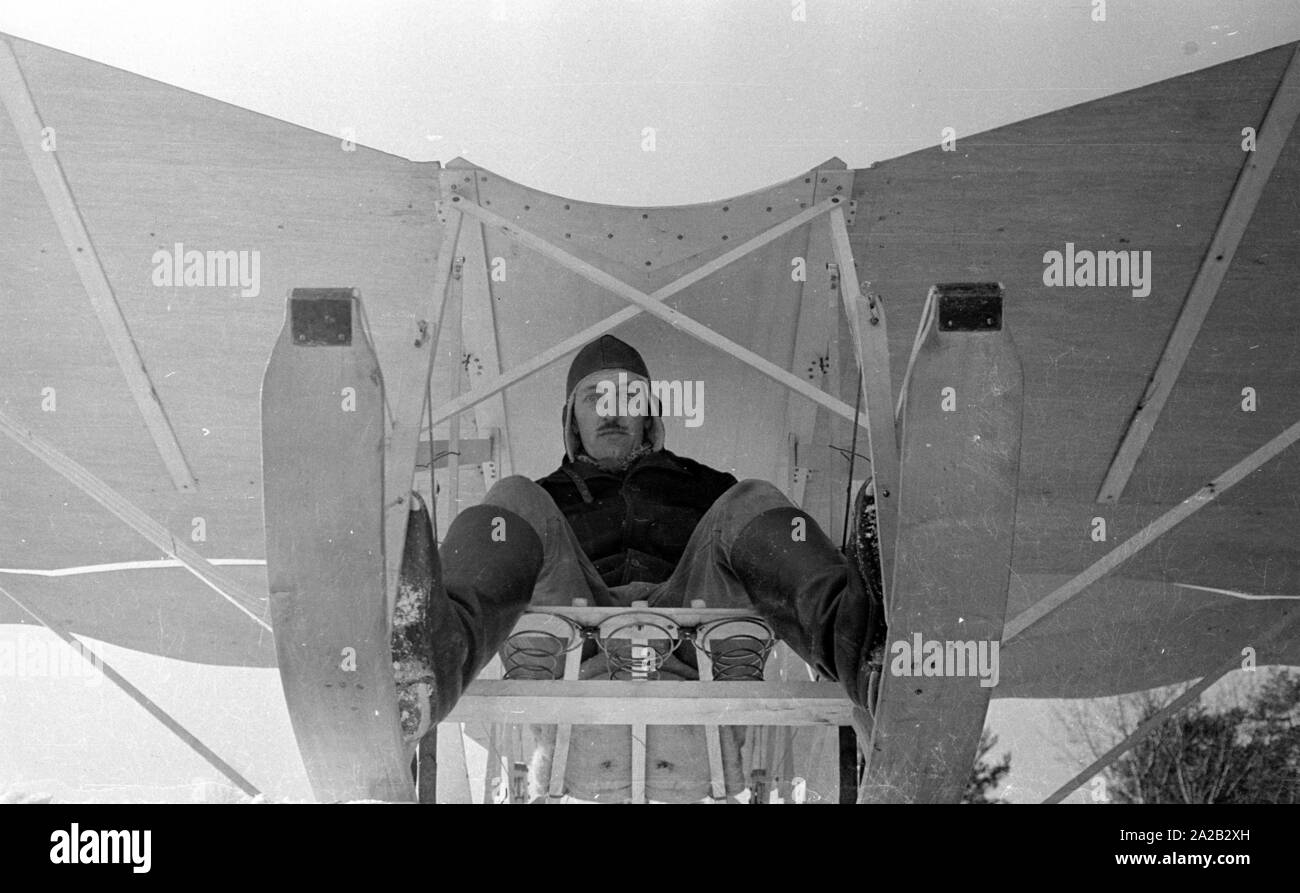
[(170, 722), (592, 616), (1144, 537), (651, 303), (134, 517), (478, 322), (871, 342), (401, 445), (1246, 193), (67, 216), (612, 702)]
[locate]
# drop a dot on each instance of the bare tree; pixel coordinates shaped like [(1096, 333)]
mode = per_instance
[(986, 775), (1246, 753)]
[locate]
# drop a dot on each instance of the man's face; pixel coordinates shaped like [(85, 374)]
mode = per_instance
[(606, 437)]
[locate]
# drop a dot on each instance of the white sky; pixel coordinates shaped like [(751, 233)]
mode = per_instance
[(557, 95)]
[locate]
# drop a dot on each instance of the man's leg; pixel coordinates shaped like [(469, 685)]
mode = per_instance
[(458, 604), (704, 570), (754, 547), (566, 573)]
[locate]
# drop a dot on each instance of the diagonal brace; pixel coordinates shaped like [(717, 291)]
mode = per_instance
[(650, 304), (1144, 537)]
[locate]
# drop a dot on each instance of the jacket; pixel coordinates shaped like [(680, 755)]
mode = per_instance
[(634, 524)]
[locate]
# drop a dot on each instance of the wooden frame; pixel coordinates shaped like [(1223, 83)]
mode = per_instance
[(134, 517), (569, 702), (652, 303), (67, 216), (619, 703), (1246, 193), (1144, 537)]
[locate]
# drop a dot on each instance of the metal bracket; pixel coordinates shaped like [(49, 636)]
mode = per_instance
[(322, 317), (969, 306)]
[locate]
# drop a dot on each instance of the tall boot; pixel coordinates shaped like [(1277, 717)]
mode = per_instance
[(814, 596), (455, 610)]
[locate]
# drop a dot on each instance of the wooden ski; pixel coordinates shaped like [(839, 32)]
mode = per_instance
[(959, 471), (322, 477)]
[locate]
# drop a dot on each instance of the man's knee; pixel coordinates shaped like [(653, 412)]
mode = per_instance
[(522, 496), (516, 490), (754, 495)]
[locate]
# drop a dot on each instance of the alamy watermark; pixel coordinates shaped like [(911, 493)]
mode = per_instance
[(90, 847), (40, 657), (639, 397), (1103, 269), (931, 657), (206, 269)]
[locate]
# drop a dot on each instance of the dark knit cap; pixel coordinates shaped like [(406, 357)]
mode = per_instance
[(606, 352)]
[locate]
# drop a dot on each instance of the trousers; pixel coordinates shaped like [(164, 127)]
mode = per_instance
[(599, 759)]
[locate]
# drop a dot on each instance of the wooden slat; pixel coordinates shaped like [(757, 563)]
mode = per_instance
[(480, 335), (58, 195), (172, 725), (712, 735), (453, 335), (134, 517), (574, 342), (814, 331), (404, 426), (601, 702), (871, 343), (1149, 533), (564, 731), (587, 615), (651, 303), (640, 649), (1246, 193), (453, 769)]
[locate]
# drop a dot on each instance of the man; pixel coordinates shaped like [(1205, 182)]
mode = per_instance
[(624, 519)]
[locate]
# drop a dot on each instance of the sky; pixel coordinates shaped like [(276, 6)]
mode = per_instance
[(559, 95)]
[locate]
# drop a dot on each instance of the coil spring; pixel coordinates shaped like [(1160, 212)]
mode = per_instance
[(538, 653), (739, 654), (637, 660)]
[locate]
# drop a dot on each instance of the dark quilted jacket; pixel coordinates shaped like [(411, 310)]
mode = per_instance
[(634, 525)]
